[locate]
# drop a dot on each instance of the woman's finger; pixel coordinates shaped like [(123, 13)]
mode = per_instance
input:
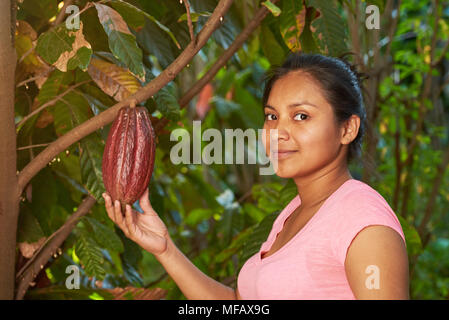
[(109, 206), (144, 202), (129, 220), (119, 217)]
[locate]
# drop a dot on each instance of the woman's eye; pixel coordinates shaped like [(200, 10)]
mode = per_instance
[(267, 116), (302, 116)]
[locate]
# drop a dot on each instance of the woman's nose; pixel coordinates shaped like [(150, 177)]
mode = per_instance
[(281, 132)]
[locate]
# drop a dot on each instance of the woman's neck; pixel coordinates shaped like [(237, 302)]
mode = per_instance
[(317, 188)]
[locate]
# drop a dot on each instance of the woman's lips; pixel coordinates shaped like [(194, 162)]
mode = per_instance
[(282, 154)]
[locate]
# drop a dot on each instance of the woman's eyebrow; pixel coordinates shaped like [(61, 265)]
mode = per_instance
[(295, 104)]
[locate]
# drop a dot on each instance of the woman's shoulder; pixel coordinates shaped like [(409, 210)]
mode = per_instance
[(360, 205), (358, 194)]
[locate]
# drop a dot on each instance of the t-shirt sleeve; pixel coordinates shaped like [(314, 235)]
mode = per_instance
[(357, 212)]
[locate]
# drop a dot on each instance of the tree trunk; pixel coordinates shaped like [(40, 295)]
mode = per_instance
[(9, 204)]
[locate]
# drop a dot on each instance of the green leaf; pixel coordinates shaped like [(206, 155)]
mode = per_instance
[(250, 109), (254, 212), (229, 28), (258, 236), (167, 102), (63, 48), (292, 22), (331, 26), (288, 192), (307, 40), (136, 18), (42, 9), (69, 112), (91, 149), (223, 106), (412, 238), (90, 255), (105, 236), (29, 229), (56, 83), (198, 215), (81, 59), (131, 257), (153, 41), (46, 206), (121, 41), (234, 246), (275, 10), (230, 224), (268, 196), (271, 47), (194, 16)]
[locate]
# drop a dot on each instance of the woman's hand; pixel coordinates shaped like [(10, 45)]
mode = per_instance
[(146, 229)]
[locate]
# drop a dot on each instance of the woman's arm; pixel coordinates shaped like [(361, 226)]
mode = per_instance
[(377, 265), (193, 283)]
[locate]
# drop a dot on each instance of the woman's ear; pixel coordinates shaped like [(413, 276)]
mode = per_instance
[(350, 129)]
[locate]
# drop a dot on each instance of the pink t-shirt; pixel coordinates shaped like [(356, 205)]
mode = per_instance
[(311, 265)]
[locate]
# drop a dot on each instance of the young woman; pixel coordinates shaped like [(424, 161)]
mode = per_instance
[(338, 238)]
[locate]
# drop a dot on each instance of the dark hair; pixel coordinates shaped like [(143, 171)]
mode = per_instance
[(340, 83)]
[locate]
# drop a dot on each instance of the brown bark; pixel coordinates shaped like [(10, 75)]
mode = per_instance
[(9, 205)]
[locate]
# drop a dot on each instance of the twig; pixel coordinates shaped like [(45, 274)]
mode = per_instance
[(44, 253), (62, 13), (26, 54), (51, 102), (443, 53), (434, 193), (393, 28), (34, 146), (160, 278), (87, 6), (189, 20), (107, 116), (24, 82)]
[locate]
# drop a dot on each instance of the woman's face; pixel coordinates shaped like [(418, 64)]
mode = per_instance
[(309, 139)]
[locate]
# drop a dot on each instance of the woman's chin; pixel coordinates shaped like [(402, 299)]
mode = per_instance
[(283, 172)]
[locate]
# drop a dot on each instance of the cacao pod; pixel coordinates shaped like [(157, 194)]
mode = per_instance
[(128, 158)]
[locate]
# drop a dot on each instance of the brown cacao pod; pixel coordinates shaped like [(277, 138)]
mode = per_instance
[(128, 158)]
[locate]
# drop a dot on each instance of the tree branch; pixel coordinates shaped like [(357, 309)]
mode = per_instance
[(210, 74), (33, 146), (443, 53), (62, 13), (434, 193), (45, 252), (50, 103), (189, 20), (143, 94), (41, 75)]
